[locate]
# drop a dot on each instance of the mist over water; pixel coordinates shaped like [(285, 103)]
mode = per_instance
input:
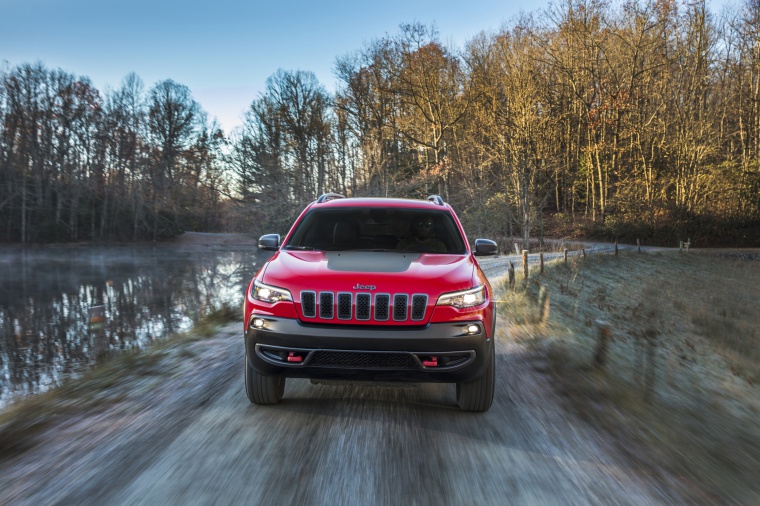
[(146, 294)]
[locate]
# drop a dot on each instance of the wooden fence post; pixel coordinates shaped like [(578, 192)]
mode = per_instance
[(638, 245), (565, 255), (511, 275), (541, 262), (543, 303), (603, 335), (526, 270), (616, 248)]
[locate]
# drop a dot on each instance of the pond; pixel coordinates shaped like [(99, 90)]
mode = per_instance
[(64, 309)]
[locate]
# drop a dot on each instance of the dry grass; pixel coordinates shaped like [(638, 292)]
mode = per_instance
[(681, 372)]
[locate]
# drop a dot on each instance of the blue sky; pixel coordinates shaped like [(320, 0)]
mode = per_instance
[(223, 50)]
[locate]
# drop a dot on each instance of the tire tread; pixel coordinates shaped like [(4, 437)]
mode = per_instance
[(477, 395), (262, 389)]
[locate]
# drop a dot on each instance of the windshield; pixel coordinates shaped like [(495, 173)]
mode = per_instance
[(378, 229)]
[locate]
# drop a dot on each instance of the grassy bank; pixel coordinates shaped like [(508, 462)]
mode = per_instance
[(128, 374), (676, 382)]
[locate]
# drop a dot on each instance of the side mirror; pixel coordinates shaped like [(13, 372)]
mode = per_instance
[(269, 242), (485, 247)]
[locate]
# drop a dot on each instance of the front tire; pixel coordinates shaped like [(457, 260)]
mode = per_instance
[(477, 396), (262, 389)]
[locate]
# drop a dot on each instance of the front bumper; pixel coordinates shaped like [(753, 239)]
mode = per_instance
[(436, 352)]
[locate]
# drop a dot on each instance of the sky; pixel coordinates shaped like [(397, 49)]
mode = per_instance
[(224, 50)]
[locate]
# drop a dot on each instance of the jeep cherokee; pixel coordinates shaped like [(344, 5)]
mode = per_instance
[(372, 289)]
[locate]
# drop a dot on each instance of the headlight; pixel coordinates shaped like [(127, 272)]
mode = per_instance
[(271, 294), (466, 298)]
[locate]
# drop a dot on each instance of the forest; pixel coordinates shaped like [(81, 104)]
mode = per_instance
[(602, 119)]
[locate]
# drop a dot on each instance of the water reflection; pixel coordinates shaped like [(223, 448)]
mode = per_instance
[(145, 294)]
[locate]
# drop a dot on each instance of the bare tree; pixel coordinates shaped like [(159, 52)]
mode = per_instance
[(369, 108), (301, 105), (173, 120), (514, 84)]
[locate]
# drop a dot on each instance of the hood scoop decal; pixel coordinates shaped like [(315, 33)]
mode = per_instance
[(369, 261)]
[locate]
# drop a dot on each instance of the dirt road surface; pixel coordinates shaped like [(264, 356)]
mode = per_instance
[(188, 435)]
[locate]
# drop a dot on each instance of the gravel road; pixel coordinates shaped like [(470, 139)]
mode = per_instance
[(193, 438)]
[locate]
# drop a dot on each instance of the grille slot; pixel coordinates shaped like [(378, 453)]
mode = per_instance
[(400, 301), (418, 306), (309, 304), (326, 305), (382, 306), (344, 306), (363, 303), (362, 360)]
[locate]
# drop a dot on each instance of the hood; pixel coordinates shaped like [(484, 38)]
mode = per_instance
[(369, 272)]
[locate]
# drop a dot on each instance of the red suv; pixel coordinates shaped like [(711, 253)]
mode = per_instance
[(372, 289)]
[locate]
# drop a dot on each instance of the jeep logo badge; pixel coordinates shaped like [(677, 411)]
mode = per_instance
[(359, 286)]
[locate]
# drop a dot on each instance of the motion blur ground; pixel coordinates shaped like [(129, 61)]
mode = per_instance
[(185, 437), (176, 428)]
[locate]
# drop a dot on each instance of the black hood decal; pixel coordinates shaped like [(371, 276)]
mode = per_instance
[(369, 261)]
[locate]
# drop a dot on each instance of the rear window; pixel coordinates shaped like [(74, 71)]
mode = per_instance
[(378, 229)]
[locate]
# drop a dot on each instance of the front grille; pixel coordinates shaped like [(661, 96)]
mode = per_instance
[(346, 306), (363, 360)]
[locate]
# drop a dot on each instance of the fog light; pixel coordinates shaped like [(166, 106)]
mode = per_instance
[(473, 329), (258, 322)]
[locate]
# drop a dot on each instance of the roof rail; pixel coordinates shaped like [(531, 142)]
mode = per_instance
[(436, 199), (329, 196)]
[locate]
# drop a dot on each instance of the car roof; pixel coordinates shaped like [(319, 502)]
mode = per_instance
[(381, 202)]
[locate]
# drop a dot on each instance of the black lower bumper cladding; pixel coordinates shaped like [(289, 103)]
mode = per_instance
[(438, 352)]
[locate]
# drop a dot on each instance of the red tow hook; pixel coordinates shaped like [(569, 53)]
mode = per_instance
[(292, 357), (432, 362)]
